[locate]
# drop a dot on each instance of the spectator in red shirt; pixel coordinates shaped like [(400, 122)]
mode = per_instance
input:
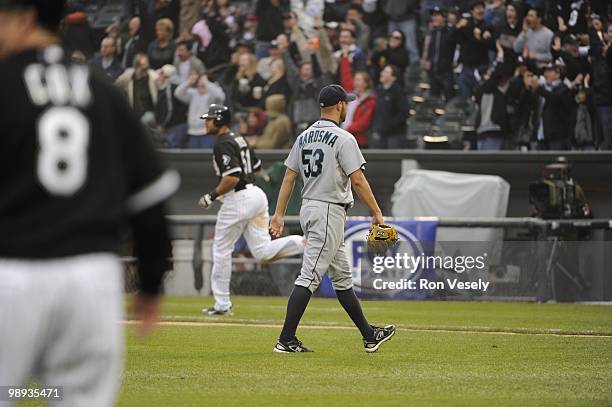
[(360, 114)]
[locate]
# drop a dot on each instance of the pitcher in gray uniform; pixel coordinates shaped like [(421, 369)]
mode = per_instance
[(328, 160)]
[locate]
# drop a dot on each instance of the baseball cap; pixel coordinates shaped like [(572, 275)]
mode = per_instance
[(436, 10), (332, 94)]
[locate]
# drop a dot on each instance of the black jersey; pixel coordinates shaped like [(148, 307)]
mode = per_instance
[(74, 162), (233, 156)]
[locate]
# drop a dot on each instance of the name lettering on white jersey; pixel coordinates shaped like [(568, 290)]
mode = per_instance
[(317, 136)]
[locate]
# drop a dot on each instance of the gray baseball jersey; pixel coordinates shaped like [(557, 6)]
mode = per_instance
[(325, 155)]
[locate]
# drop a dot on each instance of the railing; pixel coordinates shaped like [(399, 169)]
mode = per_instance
[(540, 228), (370, 155)]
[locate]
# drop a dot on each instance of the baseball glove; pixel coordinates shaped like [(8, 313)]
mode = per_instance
[(381, 238)]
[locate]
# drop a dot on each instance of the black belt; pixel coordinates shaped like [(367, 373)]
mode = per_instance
[(241, 187), (345, 206)]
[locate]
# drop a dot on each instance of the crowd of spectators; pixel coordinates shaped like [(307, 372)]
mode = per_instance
[(538, 73)]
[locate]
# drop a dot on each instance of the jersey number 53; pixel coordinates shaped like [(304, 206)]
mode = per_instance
[(313, 162)]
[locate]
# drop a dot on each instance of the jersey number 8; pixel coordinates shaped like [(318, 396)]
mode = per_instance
[(63, 137), (313, 162)]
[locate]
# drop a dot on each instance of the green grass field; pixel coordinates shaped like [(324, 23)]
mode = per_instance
[(444, 353)]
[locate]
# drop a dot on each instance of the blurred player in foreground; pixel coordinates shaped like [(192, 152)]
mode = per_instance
[(329, 161), (76, 168), (244, 209)]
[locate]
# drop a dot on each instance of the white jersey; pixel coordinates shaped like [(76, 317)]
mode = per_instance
[(325, 156)]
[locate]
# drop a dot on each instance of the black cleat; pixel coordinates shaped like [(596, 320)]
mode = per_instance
[(380, 335), (214, 311), (293, 346)]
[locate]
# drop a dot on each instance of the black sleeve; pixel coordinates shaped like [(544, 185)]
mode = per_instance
[(227, 159), (152, 247), (148, 186), (255, 159)]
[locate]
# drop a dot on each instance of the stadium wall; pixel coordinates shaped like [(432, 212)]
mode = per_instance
[(592, 170)]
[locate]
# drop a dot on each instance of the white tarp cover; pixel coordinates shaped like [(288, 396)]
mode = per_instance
[(423, 193), (449, 194)]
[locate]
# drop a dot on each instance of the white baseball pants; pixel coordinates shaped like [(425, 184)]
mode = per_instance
[(60, 324), (245, 213)]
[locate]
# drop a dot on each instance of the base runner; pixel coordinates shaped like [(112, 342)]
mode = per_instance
[(244, 210)]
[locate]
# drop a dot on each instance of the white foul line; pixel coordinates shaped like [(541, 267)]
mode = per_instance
[(340, 327)]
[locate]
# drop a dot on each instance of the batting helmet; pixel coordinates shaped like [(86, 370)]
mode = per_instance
[(219, 113), (49, 12)]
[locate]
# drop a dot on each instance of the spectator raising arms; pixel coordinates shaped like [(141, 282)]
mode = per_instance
[(493, 122), (213, 41), (277, 84), (393, 53), (185, 62), (476, 40), (508, 30), (161, 50), (524, 102), (391, 111), (305, 86), (557, 104), (170, 112), (569, 55), (360, 112), (263, 48), (440, 55), (354, 22), (535, 40), (320, 46), (247, 86), (199, 93)]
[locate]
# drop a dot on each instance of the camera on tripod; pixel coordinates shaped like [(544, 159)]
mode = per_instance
[(556, 195)]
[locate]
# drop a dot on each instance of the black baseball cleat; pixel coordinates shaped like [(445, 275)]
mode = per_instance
[(214, 311), (380, 335), (293, 346)]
